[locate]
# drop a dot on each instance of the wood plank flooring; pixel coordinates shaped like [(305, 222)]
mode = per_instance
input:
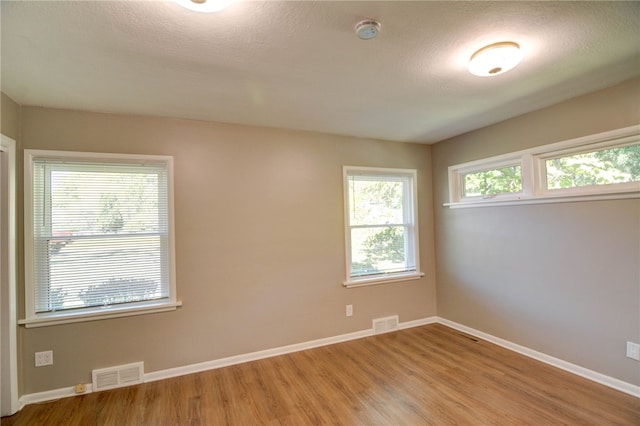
[(430, 375)]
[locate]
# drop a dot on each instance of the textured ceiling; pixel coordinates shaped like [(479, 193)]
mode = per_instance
[(299, 65)]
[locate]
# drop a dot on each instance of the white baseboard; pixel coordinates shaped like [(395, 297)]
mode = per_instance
[(547, 359), (418, 323), (268, 353), (223, 362), (51, 395), (254, 356)]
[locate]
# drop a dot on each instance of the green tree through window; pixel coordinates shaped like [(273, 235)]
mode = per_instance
[(608, 166), (380, 219), (503, 180)]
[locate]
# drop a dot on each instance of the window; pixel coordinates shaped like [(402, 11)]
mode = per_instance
[(492, 182), (381, 226), (607, 166), (98, 236), (603, 166)]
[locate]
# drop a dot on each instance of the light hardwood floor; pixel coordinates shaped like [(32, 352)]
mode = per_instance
[(430, 375)]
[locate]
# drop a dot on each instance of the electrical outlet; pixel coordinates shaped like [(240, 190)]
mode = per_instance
[(44, 358), (633, 351), (349, 310)]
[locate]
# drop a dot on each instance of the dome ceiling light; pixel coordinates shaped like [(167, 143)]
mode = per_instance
[(495, 59), (205, 6)]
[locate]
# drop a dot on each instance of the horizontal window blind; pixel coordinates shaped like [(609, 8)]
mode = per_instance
[(100, 233)]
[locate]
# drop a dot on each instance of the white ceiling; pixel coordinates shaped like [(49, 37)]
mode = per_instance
[(299, 64)]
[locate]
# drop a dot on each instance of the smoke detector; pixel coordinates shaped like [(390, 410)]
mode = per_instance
[(205, 6), (367, 29)]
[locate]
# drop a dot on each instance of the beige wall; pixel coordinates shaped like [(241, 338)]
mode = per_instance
[(9, 117), (563, 279), (259, 243), (260, 252)]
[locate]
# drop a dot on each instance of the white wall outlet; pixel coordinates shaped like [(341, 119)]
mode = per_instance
[(633, 351), (44, 358), (349, 310)]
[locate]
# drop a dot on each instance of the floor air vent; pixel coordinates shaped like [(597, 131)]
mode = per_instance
[(386, 324), (117, 377)]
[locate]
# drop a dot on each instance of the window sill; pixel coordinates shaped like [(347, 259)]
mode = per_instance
[(540, 200), (59, 318), (383, 280)]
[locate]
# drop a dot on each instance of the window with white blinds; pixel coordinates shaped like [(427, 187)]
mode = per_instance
[(100, 235), (381, 227)]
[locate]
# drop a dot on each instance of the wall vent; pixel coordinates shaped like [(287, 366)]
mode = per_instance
[(386, 324), (117, 377)]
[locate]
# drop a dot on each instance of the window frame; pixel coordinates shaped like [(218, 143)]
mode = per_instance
[(534, 177), (541, 169), (457, 175), (35, 319), (414, 244)]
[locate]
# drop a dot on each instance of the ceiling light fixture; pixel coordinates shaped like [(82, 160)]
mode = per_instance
[(495, 59), (205, 6), (367, 29)]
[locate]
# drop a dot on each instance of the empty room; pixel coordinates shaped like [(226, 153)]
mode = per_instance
[(219, 212)]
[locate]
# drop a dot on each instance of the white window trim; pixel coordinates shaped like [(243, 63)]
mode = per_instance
[(100, 313), (456, 183), (352, 282), (8, 305), (33, 319), (534, 185)]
